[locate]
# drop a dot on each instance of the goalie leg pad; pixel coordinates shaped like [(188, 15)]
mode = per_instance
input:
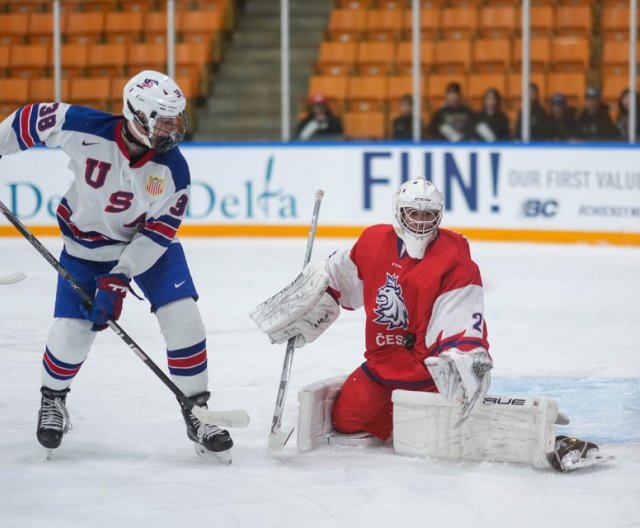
[(502, 429)]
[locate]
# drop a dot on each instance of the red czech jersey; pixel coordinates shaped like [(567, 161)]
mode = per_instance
[(438, 298)]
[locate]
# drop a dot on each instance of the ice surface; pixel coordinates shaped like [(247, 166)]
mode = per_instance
[(563, 321)]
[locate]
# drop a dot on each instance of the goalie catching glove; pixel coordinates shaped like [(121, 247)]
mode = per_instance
[(462, 378), (303, 309)]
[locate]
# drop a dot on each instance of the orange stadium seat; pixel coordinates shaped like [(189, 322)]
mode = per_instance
[(616, 22), (539, 53), (75, 58), (90, 92), (116, 89), (367, 93), (497, 22), (437, 85), (347, 24), (41, 89), (29, 60), (459, 22), (375, 58), (570, 54), (452, 56), (155, 26), (123, 27), (12, 94), (479, 83), (466, 3), (147, 56), (354, 4), (336, 57), (364, 125), (13, 27), (107, 59), (40, 30), (333, 87), (400, 85), (542, 20), (573, 20), (200, 26), (572, 84), (615, 57), (28, 6), (404, 56), (84, 27), (4, 59), (138, 6), (490, 55), (429, 22), (384, 24)]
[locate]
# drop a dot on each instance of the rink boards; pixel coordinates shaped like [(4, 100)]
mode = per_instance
[(493, 192)]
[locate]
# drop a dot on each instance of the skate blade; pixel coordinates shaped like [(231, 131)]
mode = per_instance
[(48, 453), (223, 457)]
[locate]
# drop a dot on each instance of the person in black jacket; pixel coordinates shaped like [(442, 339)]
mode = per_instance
[(402, 125), (454, 121), (491, 123), (562, 121), (622, 121), (319, 123), (594, 122), (539, 118)]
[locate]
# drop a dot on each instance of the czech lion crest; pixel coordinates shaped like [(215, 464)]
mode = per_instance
[(390, 308)]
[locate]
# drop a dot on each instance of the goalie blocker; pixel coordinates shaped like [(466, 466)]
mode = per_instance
[(502, 429)]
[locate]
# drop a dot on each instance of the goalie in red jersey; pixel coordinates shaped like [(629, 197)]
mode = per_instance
[(425, 333)]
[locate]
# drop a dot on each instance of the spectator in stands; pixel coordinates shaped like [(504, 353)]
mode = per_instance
[(491, 123), (562, 120), (454, 121), (402, 126), (539, 120), (594, 122), (622, 122), (319, 123)]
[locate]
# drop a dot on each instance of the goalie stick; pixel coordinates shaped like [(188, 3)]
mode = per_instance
[(277, 437), (13, 277), (232, 418)]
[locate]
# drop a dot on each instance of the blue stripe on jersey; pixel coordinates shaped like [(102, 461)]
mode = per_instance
[(455, 343), (90, 121), (32, 124), (176, 163), (16, 129), (157, 238), (168, 219)]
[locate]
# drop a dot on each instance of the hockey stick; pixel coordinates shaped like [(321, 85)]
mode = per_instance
[(13, 277), (277, 437), (233, 418)]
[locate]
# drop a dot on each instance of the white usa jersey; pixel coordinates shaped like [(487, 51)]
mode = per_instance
[(115, 210)]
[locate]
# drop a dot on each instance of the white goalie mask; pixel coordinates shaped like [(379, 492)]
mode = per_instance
[(418, 207), (155, 107)]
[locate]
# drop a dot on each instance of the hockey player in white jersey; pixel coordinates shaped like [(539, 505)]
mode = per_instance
[(119, 221)]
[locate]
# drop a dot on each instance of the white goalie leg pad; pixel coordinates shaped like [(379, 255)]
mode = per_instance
[(314, 417), (502, 429), (303, 309)]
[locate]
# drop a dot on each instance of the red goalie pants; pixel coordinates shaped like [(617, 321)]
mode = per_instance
[(365, 405)]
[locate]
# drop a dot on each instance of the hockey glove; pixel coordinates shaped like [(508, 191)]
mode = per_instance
[(462, 377), (107, 305)]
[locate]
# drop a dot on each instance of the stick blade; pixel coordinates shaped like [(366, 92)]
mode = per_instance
[(232, 418), (13, 277), (278, 439)]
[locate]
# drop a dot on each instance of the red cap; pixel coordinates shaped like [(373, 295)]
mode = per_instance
[(317, 99)]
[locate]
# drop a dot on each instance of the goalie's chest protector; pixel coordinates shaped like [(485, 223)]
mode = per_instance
[(399, 296)]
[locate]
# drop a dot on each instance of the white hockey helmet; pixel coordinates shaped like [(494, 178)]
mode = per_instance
[(155, 103), (418, 207)]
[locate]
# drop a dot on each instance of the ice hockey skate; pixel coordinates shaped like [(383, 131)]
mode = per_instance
[(53, 419), (571, 454), (210, 441)]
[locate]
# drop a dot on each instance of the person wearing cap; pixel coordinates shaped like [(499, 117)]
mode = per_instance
[(562, 121), (454, 121), (539, 120), (319, 123), (594, 122)]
